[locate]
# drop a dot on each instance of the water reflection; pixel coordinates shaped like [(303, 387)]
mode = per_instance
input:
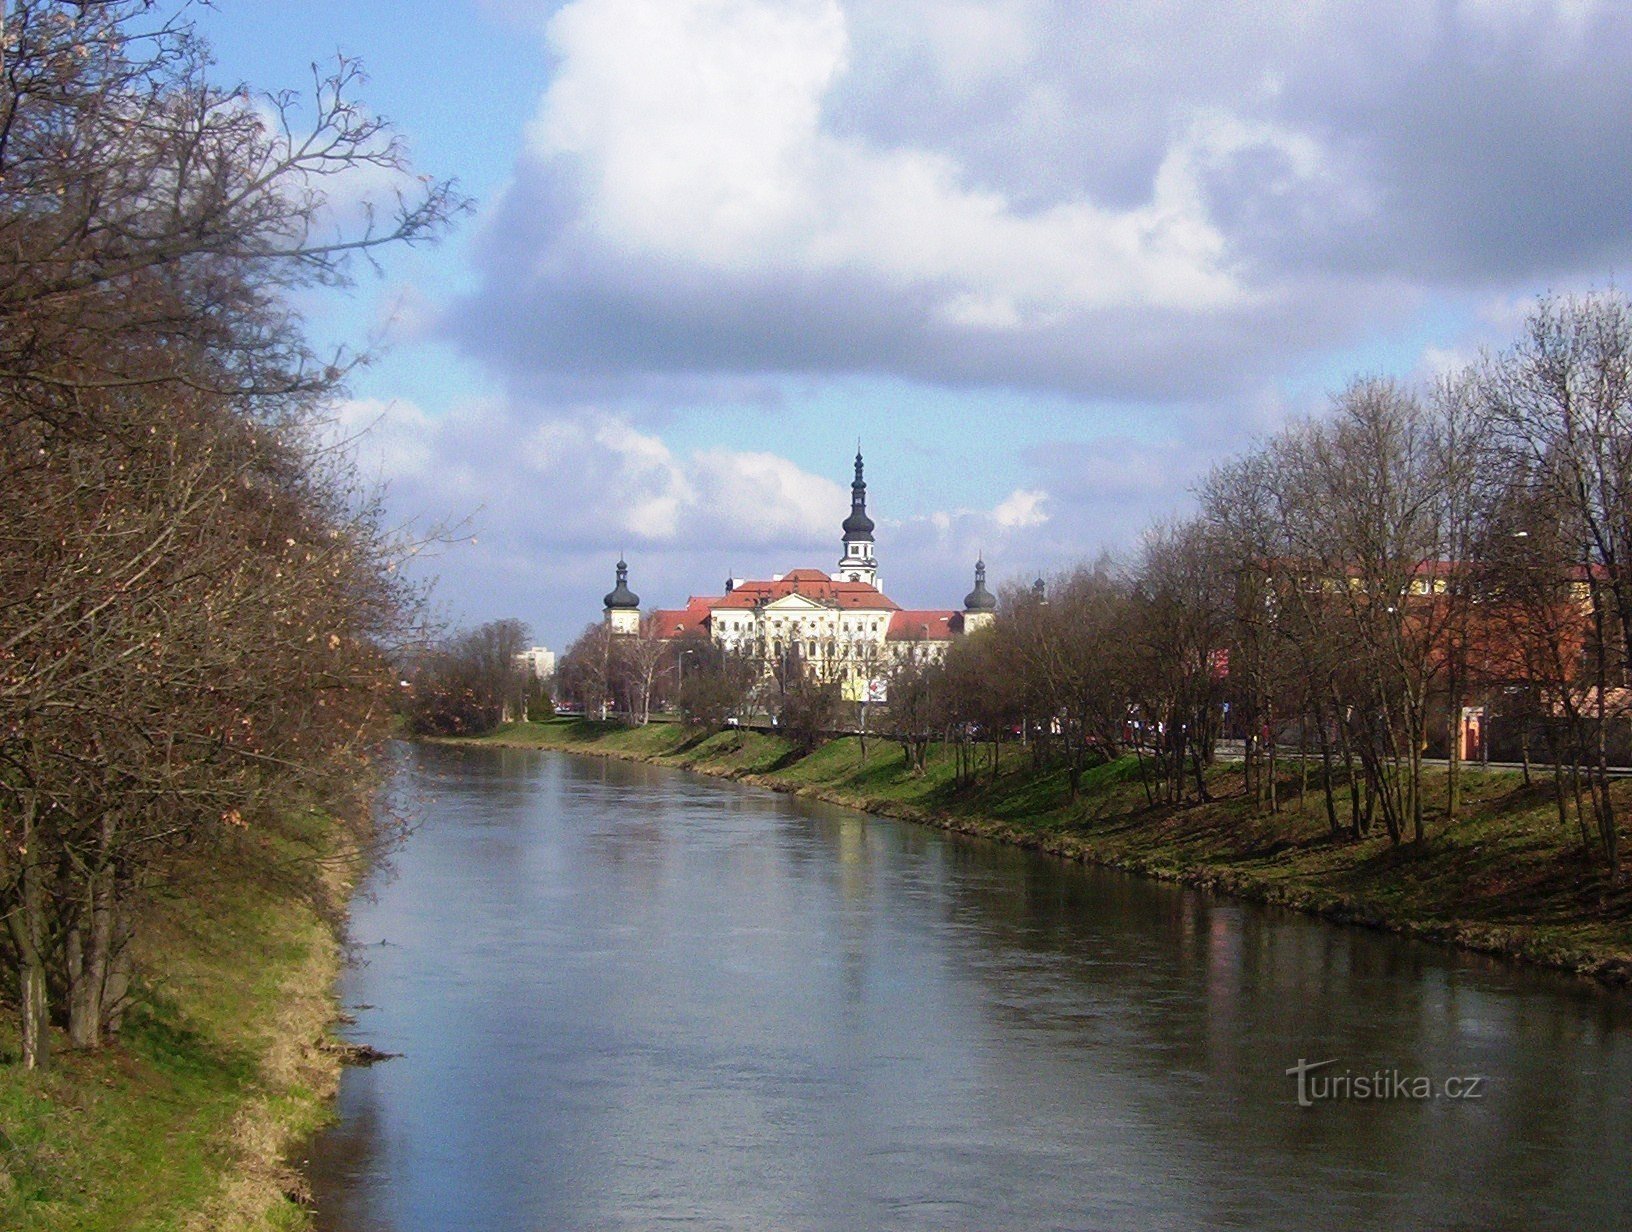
[(628, 997)]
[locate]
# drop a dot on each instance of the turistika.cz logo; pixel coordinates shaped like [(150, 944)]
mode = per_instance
[(1317, 1084)]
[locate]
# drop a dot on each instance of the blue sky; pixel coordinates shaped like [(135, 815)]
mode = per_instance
[(1049, 261)]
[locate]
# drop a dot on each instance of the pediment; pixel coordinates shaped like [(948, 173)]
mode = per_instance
[(796, 603)]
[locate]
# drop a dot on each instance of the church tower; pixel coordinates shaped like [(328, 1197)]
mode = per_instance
[(979, 605), (857, 563), (622, 605)]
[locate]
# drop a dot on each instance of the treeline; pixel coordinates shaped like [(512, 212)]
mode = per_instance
[(633, 676), (1351, 587), (198, 609)]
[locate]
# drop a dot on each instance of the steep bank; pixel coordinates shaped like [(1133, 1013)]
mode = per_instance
[(1502, 879), (224, 1066)]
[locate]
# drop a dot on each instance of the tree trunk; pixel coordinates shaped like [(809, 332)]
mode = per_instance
[(1327, 787), (1414, 787), (1556, 753), (1273, 758), (1303, 761), (1252, 780), (1453, 752), (121, 969), (91, 943), (27, 924), (1144, 781), (1603, 805)]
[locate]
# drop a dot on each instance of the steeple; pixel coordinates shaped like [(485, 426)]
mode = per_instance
[(622, 604), (857, 563), (980, 599), (979, 605), (858, 525)]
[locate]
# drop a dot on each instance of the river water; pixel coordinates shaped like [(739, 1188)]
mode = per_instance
[(629, 997)]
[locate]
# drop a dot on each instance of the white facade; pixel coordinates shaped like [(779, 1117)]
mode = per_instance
[(537, 662)]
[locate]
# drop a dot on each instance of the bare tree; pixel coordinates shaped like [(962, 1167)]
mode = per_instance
[(139, 201), (197, 608), (1184, 618), (1561, 400), (915, 686), (469, 681), (1065, 646), (584, 672), (636, 659), (717, 681)]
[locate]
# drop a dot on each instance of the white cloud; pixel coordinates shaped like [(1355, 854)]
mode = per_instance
[(1147, 201), (976, 43), (590, 478), (764, 490), (1021, 508), (695, 133), (1569, 17)]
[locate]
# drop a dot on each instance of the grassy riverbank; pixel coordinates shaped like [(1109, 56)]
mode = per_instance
[(1502, 879), (223, 1067)]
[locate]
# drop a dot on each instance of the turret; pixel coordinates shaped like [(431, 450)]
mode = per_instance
[(622, 605), (979, 605), (858, 564)]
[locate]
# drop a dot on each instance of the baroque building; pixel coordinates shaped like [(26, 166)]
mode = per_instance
[(838, 626)]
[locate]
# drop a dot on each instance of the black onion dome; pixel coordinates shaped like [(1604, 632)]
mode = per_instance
[(980, 599), (620, 595), (858, 525)]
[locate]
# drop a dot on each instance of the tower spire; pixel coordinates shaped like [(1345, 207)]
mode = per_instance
[(857, 563), (979, 599)]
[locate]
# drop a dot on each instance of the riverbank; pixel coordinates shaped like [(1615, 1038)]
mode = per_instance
[(224, 1067), (1502, 879)]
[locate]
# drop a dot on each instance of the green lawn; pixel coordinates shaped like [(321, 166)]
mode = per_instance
[(182, 1123)]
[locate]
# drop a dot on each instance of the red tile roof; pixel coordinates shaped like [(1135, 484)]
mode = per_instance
[(811, 583), (930, 625), (679, 622)]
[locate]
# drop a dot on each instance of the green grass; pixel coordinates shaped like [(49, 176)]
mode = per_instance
[(1503, 877), (182, 1122)]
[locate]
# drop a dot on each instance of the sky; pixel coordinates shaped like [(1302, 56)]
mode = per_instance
[(1048, 261)]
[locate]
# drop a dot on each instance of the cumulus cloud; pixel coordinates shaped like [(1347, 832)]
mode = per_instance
[(1154, 200), (1021, 508), (592, 479), (544, 504)]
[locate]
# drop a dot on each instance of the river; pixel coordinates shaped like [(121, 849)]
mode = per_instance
[(629, 997)]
